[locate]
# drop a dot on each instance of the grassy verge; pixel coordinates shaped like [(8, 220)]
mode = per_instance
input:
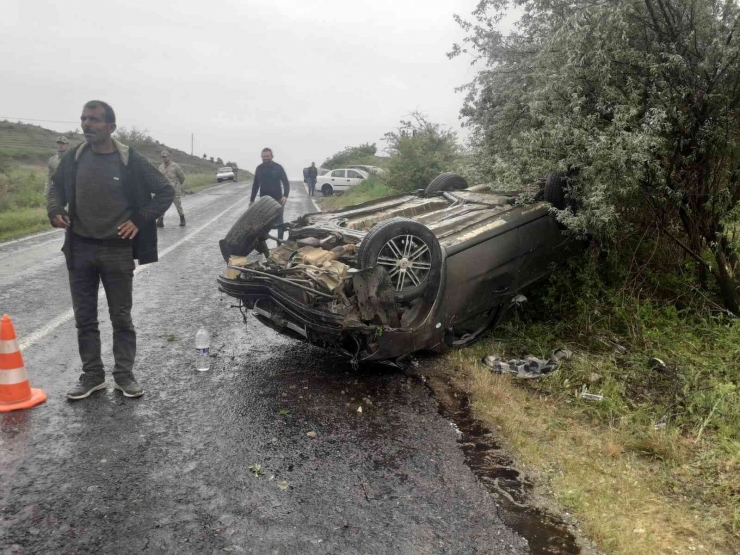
[(653, 468), (22, 221), (196, 182), (370, 189), (22, 204)]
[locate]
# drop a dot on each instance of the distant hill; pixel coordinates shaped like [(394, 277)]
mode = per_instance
[(32, 145)]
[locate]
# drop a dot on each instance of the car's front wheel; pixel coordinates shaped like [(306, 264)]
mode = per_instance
[(218, 179), (409, 252)]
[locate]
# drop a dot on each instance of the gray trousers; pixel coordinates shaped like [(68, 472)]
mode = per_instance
[(113, 264)]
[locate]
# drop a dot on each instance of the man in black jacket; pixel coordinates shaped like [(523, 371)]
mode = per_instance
[(110, 218), (270, 180), (313, 173)]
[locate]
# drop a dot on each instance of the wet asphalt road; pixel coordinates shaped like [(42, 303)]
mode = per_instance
[(170, 472)]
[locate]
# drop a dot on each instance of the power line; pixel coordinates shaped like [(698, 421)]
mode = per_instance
[(44, 120)]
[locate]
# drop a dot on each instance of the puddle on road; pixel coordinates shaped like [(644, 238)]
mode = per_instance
[(546, 534)]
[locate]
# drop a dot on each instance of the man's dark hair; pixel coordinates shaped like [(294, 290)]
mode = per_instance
[(110, 115), (267, 150)]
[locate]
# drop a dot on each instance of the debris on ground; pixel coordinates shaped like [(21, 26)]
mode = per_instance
[(590, 396), (656, 364), (662, 423), (256, 469), (311, 434), (528, 367)]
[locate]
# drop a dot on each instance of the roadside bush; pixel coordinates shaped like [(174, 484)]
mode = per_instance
[(636, 101), (362, 154), (420, 150)]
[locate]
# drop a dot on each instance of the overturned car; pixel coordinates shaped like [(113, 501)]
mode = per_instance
[(430, 270)]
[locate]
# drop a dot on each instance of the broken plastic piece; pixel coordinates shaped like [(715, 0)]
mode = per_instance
[(528, 367)]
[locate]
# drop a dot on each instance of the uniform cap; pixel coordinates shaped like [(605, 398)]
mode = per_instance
[(63, 139), (165, 153)]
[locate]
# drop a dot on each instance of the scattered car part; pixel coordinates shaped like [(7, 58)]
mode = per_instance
[(251, 226)]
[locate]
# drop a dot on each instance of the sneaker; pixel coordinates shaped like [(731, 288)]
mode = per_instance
[(182, 220), (128, 386), (86, 386), (160, 222)]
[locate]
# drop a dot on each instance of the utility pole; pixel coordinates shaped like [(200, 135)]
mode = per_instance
[(191, 144)]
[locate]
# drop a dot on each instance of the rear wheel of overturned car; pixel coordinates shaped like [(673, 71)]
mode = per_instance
[(446, 182), (327, 190), (555, 190), (251, 226), (408, 251)]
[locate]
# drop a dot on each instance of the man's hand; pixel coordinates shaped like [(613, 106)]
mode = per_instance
[(60, 221), (283, 200), (128, 230)]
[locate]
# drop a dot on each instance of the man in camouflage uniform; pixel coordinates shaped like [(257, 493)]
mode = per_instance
[(53, 163), (176, 177)]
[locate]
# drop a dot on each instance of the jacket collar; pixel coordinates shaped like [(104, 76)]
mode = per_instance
[(123, 151)]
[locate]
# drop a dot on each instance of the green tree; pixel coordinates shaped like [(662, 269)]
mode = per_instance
[(362, 154), (133, 134), (420, 150), (637, 100)]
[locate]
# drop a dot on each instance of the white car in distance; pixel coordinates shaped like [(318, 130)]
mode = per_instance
[(339, 181), (225, 174)]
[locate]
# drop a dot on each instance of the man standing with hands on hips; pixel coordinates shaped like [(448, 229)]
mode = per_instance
[(268, 178), (110, 218)]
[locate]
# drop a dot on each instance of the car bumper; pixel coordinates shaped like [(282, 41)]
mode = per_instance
[(285, 314)]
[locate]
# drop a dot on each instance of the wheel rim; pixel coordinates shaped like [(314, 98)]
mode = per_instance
[(408, 260)]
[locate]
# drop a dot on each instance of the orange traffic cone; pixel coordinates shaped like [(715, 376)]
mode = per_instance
[(15, 391)]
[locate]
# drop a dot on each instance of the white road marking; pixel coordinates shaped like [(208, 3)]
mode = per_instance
[(28, 238), (42, 332), (318, 208)]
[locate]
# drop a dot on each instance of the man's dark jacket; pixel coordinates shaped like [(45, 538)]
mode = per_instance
[(267, 178), (140, 180), (313, 172)]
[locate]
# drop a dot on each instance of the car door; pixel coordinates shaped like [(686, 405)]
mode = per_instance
[(354, 178), (481, 276), (539, 242), (338, 180)]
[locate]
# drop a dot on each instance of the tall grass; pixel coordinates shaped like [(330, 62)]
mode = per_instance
[(21, 200)]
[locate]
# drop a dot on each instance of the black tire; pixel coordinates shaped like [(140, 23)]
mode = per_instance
[(327, 190), (250, 227), (375, 248), (218, 180), (446, 182), (555, 190)]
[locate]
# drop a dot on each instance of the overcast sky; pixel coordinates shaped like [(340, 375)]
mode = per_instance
[(306, 78)]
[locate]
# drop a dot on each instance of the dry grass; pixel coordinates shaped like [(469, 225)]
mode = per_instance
[(635, 492)]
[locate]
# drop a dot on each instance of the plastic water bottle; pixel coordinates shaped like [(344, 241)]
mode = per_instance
[(202, 341)]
